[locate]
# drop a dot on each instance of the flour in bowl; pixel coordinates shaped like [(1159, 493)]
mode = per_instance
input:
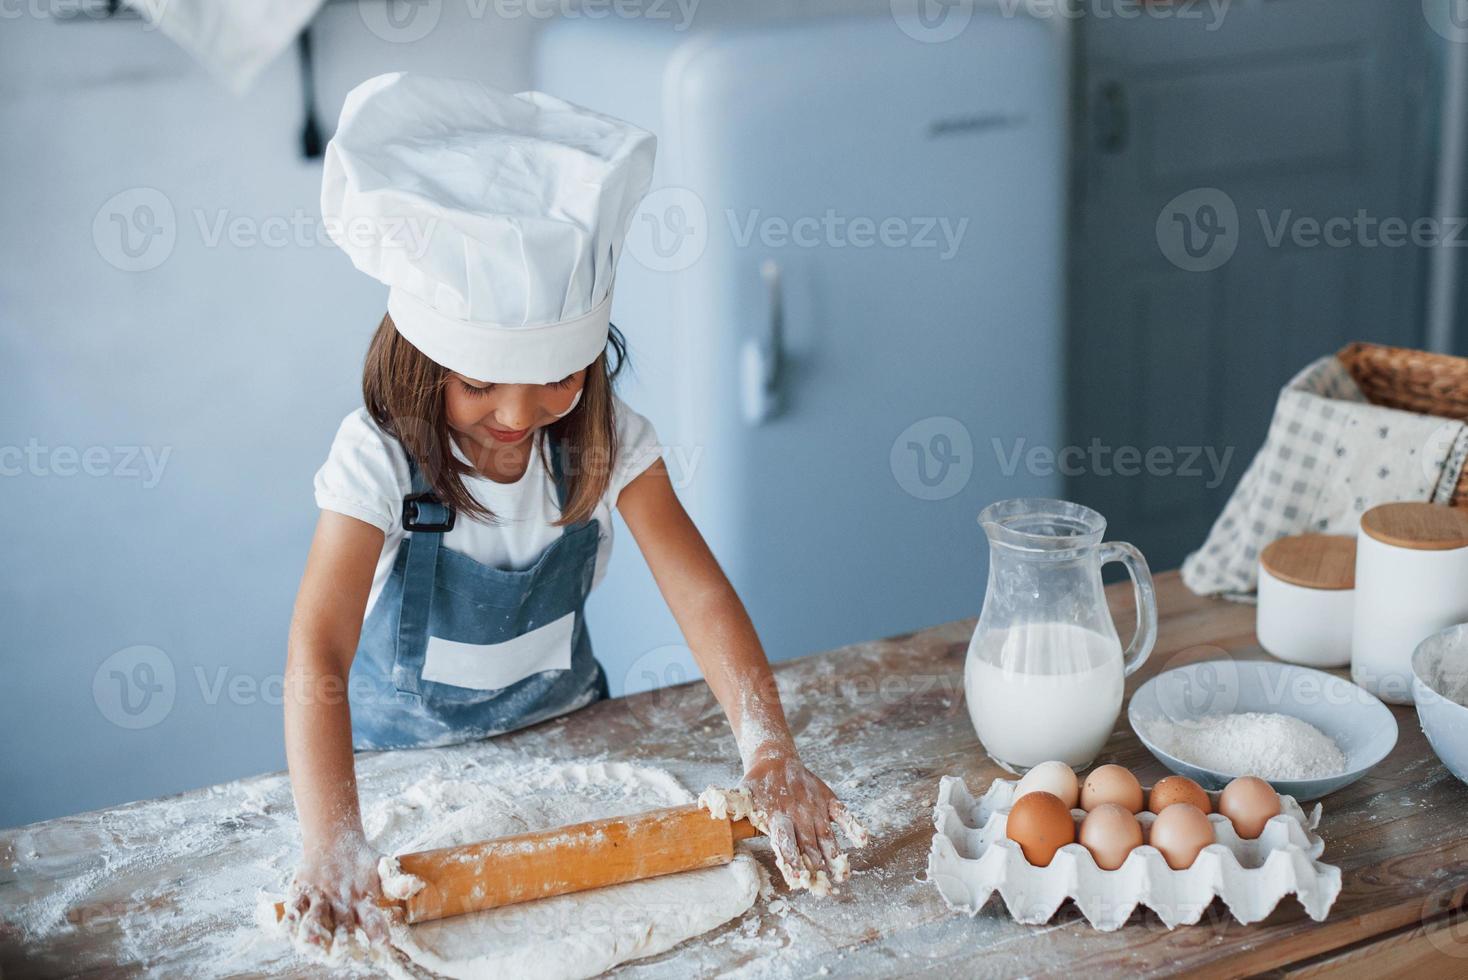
[(1254, 743)]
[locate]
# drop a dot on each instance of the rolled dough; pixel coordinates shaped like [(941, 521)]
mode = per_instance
[(570, 936)]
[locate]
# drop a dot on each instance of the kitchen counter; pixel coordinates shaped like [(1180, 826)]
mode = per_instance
[(880, 721)]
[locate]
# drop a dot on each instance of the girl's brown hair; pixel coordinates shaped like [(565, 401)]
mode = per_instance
[(403, 391)]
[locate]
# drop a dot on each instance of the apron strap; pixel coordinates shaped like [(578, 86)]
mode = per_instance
[(425, 519)]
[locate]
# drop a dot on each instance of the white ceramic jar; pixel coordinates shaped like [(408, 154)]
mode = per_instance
[(1306, 599), (1411, 582)]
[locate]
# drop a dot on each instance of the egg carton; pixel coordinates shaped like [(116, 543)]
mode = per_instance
[(971, 859)]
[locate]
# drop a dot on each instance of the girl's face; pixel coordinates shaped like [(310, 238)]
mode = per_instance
[(498, 416)]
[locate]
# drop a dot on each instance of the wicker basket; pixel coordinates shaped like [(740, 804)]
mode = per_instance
[(1413, 381)]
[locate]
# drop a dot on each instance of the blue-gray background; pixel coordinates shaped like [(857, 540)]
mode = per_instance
[(237, 358)]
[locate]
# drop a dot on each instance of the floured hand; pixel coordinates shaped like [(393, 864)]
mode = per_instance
[(798, 812), (335, 894)]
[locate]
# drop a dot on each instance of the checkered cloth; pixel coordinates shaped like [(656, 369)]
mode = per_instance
[(1330, 456)]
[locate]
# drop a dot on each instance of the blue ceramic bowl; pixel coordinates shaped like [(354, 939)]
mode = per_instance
[(1361, 726), (1440, 673)]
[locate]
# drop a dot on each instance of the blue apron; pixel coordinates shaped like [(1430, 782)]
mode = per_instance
[(456, 650)]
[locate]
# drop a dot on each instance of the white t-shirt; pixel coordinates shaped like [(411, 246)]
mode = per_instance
[(366, 476)]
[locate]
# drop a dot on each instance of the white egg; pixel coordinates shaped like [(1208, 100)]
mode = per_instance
[(1051, 777)]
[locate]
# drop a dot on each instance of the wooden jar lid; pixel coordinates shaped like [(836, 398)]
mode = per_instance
[(1419, 526), (1313, 561)]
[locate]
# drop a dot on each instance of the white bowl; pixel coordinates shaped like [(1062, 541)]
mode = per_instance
[(1360, 725), (1444, 720)]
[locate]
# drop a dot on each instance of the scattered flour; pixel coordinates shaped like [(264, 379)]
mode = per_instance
[(116, 875), (169, 887), (1267, 745), (568, 936)]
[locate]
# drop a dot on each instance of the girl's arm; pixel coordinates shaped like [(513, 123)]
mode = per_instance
[(337, 882), (718, 630)]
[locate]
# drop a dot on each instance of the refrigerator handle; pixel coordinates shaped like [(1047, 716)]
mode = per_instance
[(1113, 120), (762, 361)]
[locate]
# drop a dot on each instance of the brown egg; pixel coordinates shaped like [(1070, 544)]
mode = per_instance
[(1111, 784), (1177, 789), (1180, 832), (1041, 825), (1110, 832), (1249, 802)]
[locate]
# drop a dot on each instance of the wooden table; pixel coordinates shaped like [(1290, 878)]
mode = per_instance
[(881, 722)]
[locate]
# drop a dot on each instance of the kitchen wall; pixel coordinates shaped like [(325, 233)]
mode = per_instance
[(201, 394), (164, 404)]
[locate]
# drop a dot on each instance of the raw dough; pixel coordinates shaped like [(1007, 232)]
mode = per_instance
[(736, 804), (570, 936)]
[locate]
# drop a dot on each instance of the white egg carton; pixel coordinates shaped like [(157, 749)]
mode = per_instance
[(971, 859)]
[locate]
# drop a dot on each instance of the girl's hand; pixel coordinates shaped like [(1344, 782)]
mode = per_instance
[(800, 807), (337, 888)]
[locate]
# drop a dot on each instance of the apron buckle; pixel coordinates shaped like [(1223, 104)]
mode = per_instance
[(425, 512)]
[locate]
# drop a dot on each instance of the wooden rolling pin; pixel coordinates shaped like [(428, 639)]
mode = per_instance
[(508, 870)]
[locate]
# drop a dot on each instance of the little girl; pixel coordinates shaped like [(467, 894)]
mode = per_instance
[(466, 510)]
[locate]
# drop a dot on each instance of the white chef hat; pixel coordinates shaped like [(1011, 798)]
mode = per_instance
[(496, 220)]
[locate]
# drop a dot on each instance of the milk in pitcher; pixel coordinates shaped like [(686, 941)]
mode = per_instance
[(1044, 691)]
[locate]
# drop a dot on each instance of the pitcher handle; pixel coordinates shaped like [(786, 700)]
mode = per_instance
[(1146, 596)]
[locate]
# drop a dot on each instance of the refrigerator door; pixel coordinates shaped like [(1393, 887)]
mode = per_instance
[(844, 305)]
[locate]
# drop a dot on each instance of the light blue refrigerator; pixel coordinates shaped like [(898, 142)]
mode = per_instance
[(843, 301)]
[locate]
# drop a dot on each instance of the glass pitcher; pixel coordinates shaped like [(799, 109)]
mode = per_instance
[(1045, 669)]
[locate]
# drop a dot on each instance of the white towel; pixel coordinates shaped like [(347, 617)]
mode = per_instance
[(1330, 456), (234, 39)]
